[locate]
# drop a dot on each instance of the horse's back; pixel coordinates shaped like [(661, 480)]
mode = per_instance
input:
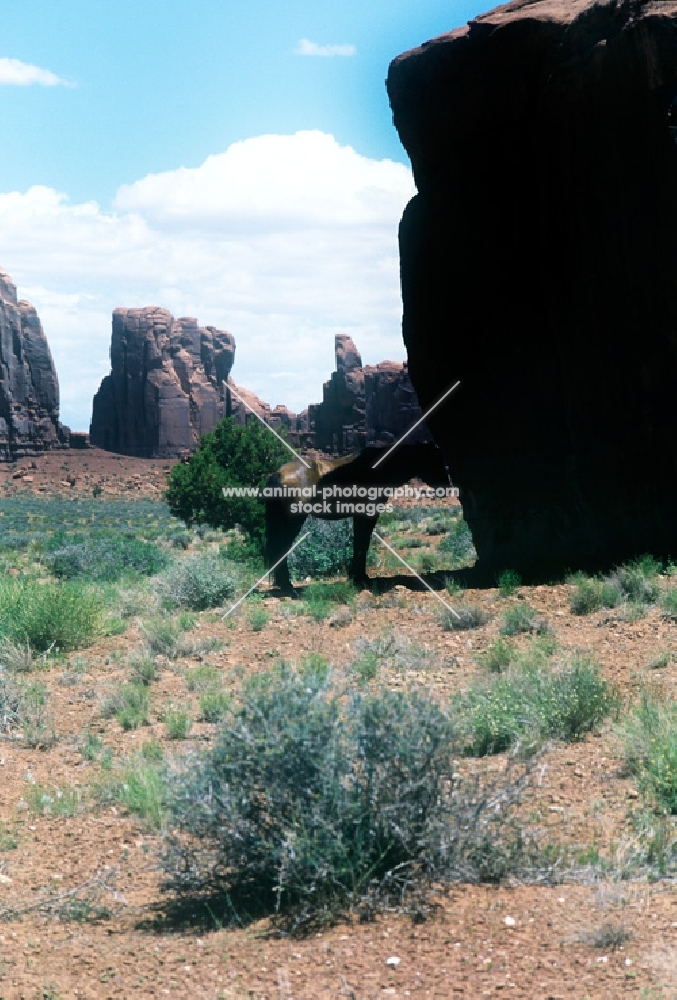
[(296, 475)]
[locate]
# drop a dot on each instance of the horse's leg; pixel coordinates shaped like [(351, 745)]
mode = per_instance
[(362, 529), (281, 530)]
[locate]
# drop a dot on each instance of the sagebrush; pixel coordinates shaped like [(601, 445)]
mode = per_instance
[(314, 800)]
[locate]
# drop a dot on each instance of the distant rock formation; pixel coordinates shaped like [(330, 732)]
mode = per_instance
[(372, 405), (29, 388), (539, 267), (364, 406), (241, 402), (339, 422), (164, 389)]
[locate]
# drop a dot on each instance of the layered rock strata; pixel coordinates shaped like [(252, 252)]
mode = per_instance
[(164, 390), (539, 267), (29, 388)]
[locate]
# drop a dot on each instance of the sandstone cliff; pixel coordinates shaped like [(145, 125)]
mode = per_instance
[(29, 389), (372, 405), (164, 390), (539, 267)]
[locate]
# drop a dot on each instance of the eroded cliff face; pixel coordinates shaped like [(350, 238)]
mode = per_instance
[(29, 388), (539, 267), (361, 406), (164, 390), (370, 406)]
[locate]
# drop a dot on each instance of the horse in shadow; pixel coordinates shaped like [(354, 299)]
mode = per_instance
[(295, 491)]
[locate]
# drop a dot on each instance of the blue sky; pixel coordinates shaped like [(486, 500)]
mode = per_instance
[(133, 172)]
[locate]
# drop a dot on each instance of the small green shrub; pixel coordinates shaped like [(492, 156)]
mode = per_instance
[(203, 678), (632, 611), (453, 587), (338, 592), (178, 722), (591, 594), (522, 618), (144, 669), (650, 738), (316, 666), (533, 703), (64, 616), (162, 636), (24, 710), (198, 581), (669, 604), (142, 790), (366, 665), (662, 660), (214, 704), (186, 620), (8, 838), (498, 656), (59, 802), (258, 618), (37, 722), (129, 705), (508, 582), (637, 580), (152, 750), (320, 598), (465, 616), (396, 652), (91, 746)]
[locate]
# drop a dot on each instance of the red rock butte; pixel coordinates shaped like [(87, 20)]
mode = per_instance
[(539, 267), (29, 388)]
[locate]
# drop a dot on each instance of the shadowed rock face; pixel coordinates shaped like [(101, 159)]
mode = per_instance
[(539, 267), (29, 389), (164, 390)]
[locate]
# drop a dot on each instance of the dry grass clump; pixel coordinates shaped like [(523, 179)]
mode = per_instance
[(465, 616)]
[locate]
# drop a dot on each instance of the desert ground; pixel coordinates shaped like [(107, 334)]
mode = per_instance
[(82, 908)]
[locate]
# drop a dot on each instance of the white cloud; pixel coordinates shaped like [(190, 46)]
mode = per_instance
[(307, 48), (21, 74), (283, 240)]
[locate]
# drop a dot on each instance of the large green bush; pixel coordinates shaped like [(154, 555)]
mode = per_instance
[(229, 456), (52, 615), (312, 801)]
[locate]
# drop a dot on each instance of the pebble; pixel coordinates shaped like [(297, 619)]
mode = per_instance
[(393, 960)]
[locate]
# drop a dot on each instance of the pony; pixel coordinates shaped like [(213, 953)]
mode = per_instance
[(353, 484)]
